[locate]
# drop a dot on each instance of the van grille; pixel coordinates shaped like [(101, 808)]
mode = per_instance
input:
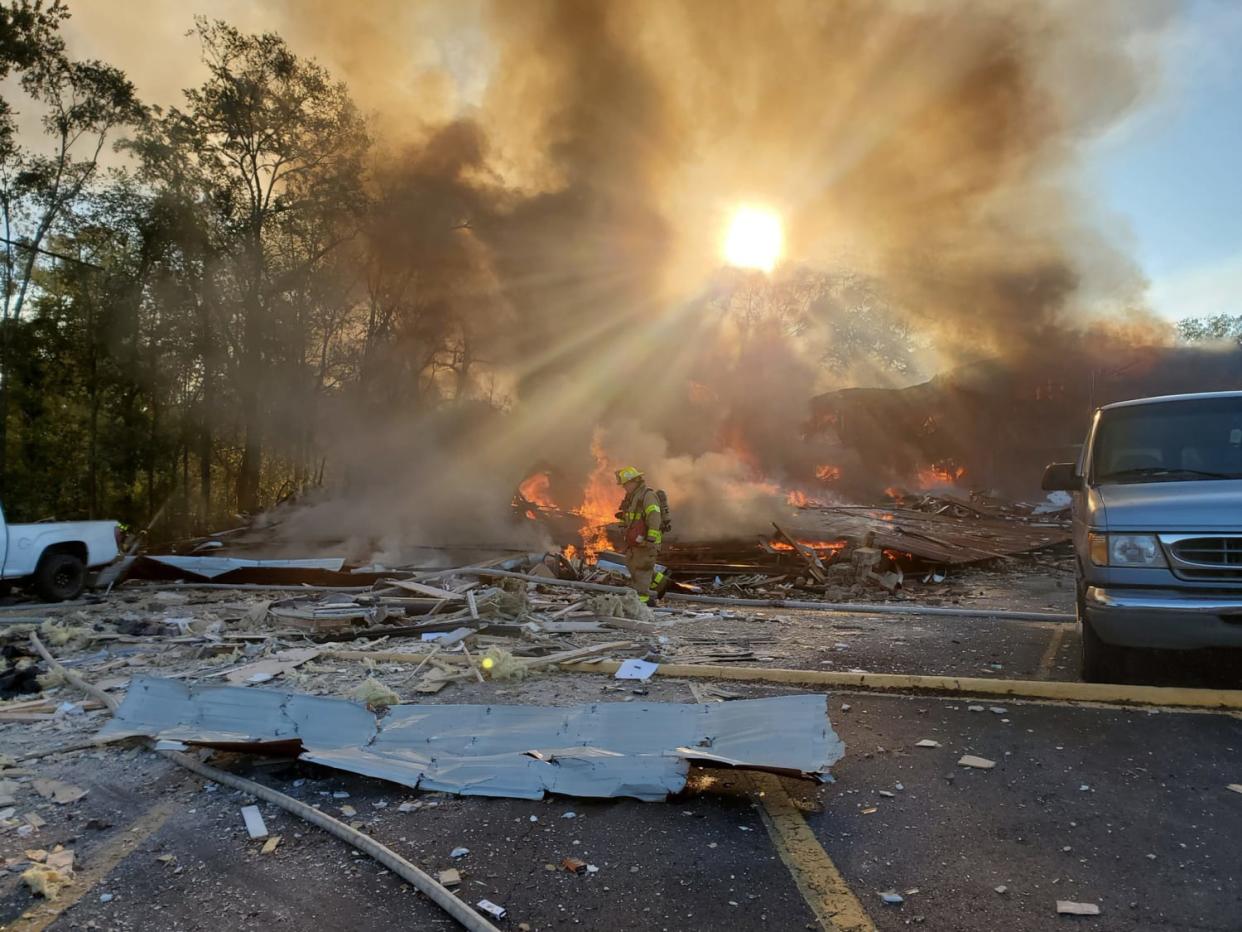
[(1207, 557)]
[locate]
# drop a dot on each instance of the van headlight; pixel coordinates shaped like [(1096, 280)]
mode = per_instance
[(1125, 550)]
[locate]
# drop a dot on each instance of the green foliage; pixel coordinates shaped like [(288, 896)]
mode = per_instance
[(1211, 329)]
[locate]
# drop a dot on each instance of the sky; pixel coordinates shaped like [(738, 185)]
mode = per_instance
[(1172, 172), (1165, 181)]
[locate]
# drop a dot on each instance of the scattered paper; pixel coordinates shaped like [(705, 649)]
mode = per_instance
[(270, 845), (980, 763), (254, 822), (1067, 908), (636, 670), (928, 743), (1236, 787), (449, 878)]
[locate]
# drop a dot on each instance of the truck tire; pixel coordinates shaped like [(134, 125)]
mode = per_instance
[(59, 577)]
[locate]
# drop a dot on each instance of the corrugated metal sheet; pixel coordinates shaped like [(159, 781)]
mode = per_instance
[(635, 749), (211, 567)]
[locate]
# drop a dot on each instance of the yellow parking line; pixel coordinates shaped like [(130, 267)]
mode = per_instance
[(1103, 693), (101, 862), (1050, 655), (818, 880)]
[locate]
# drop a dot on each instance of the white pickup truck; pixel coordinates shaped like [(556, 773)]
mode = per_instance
[(54, 556)]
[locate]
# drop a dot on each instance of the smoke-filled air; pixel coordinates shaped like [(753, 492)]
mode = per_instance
[(522, 244)]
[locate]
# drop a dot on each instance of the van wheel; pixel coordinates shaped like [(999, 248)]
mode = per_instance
[(60, 577), (1100, 661)]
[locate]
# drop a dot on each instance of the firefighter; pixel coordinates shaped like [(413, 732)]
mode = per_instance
[(642, 521)]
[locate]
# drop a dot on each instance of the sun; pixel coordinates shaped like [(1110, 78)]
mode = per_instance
[(754, 239)]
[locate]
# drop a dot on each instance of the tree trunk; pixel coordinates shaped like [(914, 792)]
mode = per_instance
[(251, 374)]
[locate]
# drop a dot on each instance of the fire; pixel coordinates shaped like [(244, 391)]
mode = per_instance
[(827, 473), (819, 546), (894, 493), (940, 474), (570, 552), (797, 499), (535, 489), (600, 499)]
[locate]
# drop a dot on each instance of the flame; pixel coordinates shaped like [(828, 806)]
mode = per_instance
[(819, 546), (600, 500), (940, 474), (535, 489), (895, 493), (827, 473), (570, 552), (797, 499)]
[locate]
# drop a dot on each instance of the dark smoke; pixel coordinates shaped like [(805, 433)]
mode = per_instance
[(567, 219)]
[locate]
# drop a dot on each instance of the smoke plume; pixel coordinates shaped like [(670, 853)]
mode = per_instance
[(561, 173)]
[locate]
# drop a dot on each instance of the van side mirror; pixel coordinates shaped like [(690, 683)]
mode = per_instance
[(1060, 477)]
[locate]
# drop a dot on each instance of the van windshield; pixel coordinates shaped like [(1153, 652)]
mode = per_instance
[(1170, 441)]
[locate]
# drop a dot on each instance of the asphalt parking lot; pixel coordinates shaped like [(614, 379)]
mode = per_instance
[(1125, 809)]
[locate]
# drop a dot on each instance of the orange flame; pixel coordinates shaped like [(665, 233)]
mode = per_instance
[(819, 546), (535, 489), (940, 474), (797, 499), (600, 500), (827, 473)]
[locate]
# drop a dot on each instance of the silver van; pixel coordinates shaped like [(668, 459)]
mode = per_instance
[(1157, 528)]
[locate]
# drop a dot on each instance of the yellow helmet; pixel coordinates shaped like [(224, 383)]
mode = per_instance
[(627, 473)]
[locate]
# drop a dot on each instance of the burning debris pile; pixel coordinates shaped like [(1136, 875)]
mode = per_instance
[(820, 548)]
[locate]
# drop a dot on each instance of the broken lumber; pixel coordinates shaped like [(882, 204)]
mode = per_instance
[(862, 608), (381, 656), (410, 586), (814, 564)]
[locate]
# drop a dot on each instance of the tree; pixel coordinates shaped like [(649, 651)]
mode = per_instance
[(1211, 329), (82, 103), (28, 33), (273, 150)]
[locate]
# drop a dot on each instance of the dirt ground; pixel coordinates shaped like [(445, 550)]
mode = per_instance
[(1127, 809)]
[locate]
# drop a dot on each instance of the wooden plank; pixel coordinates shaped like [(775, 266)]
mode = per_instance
[(813, 563), (422, 589)]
